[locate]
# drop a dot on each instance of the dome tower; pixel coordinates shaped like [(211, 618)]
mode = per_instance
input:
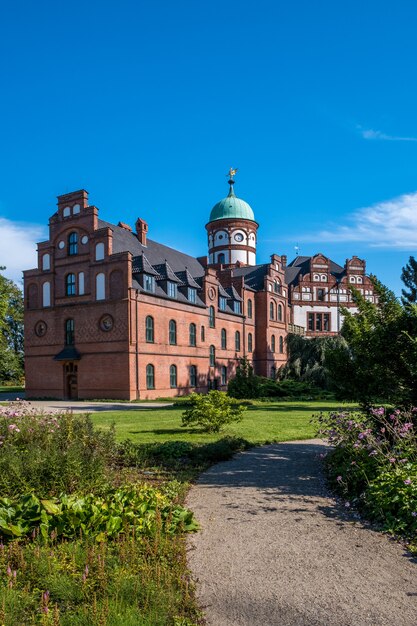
[(232, 230)]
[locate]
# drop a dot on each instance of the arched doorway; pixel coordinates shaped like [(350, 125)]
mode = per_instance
[(71, 381)]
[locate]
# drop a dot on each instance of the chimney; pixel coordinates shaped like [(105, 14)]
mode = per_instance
[(284, 260), (141, 230)]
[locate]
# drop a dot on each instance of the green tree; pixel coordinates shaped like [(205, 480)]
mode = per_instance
[(244, 384), (409, 278), (378, 362), (11, 330), (213, 411)]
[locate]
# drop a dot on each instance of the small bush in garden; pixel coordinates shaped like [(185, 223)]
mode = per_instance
[(212, 412), (374, 463), (51, 452)]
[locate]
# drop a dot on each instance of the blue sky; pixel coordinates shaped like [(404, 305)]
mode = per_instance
[(147, 105)]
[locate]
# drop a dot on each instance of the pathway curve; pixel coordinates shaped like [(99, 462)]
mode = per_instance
[(277, 550)]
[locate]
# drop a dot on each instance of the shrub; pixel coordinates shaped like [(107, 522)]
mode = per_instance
[(244, 384), (212, 412), (374, 463), (51, 453)]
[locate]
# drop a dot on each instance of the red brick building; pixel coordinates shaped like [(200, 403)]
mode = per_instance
[(110, 313)]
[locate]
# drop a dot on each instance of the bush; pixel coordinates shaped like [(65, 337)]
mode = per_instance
[(374, 463), (244, 384), (51, 453), (212, 412)]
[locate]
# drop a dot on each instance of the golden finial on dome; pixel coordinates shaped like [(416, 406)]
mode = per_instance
[(232, 173)]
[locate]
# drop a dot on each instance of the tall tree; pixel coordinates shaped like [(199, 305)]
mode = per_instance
[(11, 330), (409, 278)]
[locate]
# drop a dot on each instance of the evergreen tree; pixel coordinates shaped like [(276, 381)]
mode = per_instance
[(11, 330), (409, 278)]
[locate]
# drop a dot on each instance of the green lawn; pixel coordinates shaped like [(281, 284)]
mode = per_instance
[(274, 421)]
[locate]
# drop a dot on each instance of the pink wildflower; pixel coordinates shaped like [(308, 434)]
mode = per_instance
[(407, 481), (339, 479), (392, 460)]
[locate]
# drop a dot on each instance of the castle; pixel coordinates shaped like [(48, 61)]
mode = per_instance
[(110, 313)]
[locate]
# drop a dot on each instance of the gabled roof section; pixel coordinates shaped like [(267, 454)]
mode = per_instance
[(233, 294), (187, 280), (142, 265), (165, 272), (222, 292)]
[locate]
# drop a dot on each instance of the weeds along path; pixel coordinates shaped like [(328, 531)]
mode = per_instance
[(276, 549)]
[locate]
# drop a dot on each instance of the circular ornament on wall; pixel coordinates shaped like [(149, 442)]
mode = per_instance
[(106, 322), (84, 239), (238, 237), (41, 328), (211, 293), (61, 245)]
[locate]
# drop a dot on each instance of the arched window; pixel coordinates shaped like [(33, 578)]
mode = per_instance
[(273, 343), (81, 284), (212, 317), (279, 313), (149, 329), (221, 258), (46, 294), (203, 333), (100, 287), (193, 376), (150, 376), (223, 375), (237, 341), (172, 332), (250, 343), (99, 251), (281, 345), (271, 310), (69, 333), (72, 243), (250, 309), (70, 285), (223, 336), (273, 372), (46, 262), (212, 356), (193, 335), (277, 286), (173, 376)]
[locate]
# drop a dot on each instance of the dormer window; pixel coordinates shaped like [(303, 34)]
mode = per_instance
[(237, 307), (222, 303), (172, 289), (72, 244), (149, 283), (192, 295)]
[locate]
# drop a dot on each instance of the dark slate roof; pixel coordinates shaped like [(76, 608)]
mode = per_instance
[(165, 272), (233, 294), (222, 292), (187, 280), (156, 253), (253, 275)]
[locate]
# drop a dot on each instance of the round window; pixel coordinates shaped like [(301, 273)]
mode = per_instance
[(238, 237), (84, 239), (61, 245)]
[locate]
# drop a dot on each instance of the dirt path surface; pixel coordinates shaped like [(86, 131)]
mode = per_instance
[(277, 550)]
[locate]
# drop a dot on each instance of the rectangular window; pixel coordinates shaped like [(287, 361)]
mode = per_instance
[(172, 290), (149, 283), (192, 295), (318, 322), (237, 307), (222, 303), (320, 295)]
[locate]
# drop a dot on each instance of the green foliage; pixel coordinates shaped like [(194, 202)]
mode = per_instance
[(244, 384), (51, 453), (379, 361), (374, 464), (11, 331), (212, 412), (307, 359), (133, 508), (409, 278)]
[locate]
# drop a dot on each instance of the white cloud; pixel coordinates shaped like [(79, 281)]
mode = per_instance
[(379, 135), (388, 224), (18, 247)]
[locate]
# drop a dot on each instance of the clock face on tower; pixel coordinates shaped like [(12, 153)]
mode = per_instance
[(238, 237)]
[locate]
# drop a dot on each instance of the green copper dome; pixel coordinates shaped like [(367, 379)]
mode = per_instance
[(231, 207)]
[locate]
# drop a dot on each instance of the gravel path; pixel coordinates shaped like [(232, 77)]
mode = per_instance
[(277, 550), (83, 406)]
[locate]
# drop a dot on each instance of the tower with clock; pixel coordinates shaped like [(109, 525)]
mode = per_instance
[(232, 230)]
